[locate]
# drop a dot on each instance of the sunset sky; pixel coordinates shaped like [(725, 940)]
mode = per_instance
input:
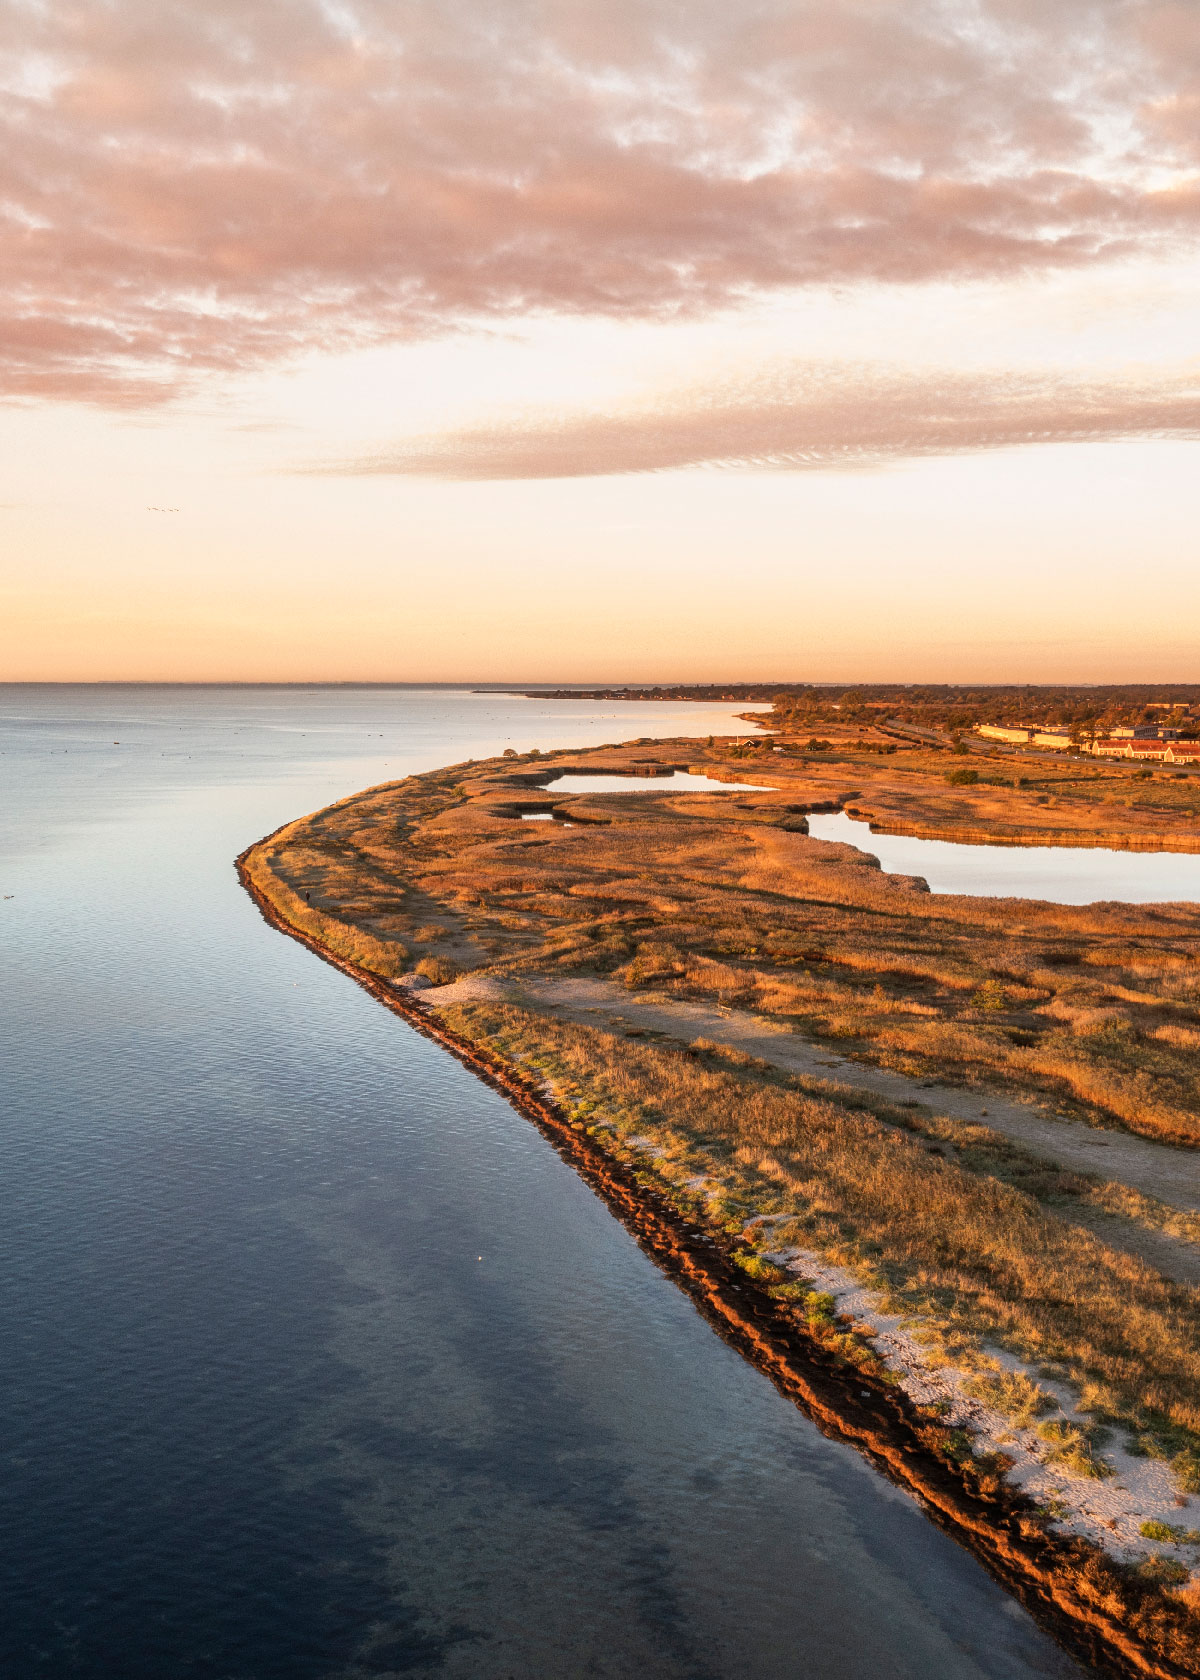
[(418, 339)]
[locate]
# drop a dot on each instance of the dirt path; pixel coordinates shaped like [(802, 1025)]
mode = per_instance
[(1172, 1175)]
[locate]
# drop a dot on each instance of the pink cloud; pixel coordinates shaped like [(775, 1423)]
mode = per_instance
[(807, 417), (190, 188)]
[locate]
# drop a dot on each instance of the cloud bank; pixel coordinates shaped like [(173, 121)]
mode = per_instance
[(808, 417), (221, 186)]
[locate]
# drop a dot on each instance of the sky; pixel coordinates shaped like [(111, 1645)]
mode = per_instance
[(592, 340)]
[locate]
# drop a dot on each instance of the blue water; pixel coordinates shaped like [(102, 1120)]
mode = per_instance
[(1057, 874), (318, 1362)]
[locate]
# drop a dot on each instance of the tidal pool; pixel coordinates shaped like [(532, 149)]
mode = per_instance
[(1059, 874), (679, 781)]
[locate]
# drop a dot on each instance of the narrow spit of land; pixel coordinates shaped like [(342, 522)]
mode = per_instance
[(947, 1146)]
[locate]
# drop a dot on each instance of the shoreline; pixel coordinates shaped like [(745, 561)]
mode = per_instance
[(999, 1525)]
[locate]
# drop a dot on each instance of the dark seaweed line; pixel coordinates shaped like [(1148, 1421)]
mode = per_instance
[(1000, 1529)]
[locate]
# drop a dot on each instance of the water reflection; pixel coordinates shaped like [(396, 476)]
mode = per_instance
[(1060, 874), (679, 781)]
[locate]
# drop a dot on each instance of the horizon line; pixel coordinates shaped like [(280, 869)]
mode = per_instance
[(497, 685)]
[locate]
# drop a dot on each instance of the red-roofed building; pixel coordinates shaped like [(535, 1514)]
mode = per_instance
[(1171, 752), (1128, 748)]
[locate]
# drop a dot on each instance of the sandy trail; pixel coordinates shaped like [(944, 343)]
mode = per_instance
[(1172, 1175), (1110, 1511)]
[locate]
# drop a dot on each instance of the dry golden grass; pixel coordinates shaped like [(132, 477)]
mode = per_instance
[(359, 944), (720, 899), (710, 897), (974, 1258), (1012, 1394)]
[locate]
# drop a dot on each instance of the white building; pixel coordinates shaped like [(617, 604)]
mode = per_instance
[(1004, 732)]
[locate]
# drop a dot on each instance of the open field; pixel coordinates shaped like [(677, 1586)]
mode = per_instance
[(1058, 1304)]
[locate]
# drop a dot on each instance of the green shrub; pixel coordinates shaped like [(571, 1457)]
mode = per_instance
[(763, 1271), (1186, 1466), (1170, 1534), (962, 778)]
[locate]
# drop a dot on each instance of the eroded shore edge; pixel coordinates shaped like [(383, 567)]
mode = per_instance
[(997, 1524)]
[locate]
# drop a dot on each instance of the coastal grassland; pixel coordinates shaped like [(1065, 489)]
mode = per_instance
[(358, 941), (718, 898), (970, 1257), (990, 792), (331, 876), (723, 899)]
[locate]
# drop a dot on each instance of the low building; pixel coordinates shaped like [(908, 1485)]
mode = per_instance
[(1182, 752), (1142, 732), (1128, 747), (1052, 738), (1004, 732)]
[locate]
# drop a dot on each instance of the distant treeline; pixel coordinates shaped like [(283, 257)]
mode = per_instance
[(745, 693), (1083, 707)]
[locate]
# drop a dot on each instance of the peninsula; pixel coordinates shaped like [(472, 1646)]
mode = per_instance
[(929, 1160)]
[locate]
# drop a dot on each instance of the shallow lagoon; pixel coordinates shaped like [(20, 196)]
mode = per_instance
[(1059, 874), (679, 781)]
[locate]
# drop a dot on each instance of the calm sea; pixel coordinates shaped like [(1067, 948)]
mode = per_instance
[(317, 1361)]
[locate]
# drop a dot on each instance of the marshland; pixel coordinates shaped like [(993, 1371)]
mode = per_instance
[(855, 1085)]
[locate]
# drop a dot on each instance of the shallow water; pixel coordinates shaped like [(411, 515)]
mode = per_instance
[(1059, 874), (679, 781), (318, 1361)]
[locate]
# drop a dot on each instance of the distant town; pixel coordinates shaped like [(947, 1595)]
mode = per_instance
[(1134, 721), (1164, 742)]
